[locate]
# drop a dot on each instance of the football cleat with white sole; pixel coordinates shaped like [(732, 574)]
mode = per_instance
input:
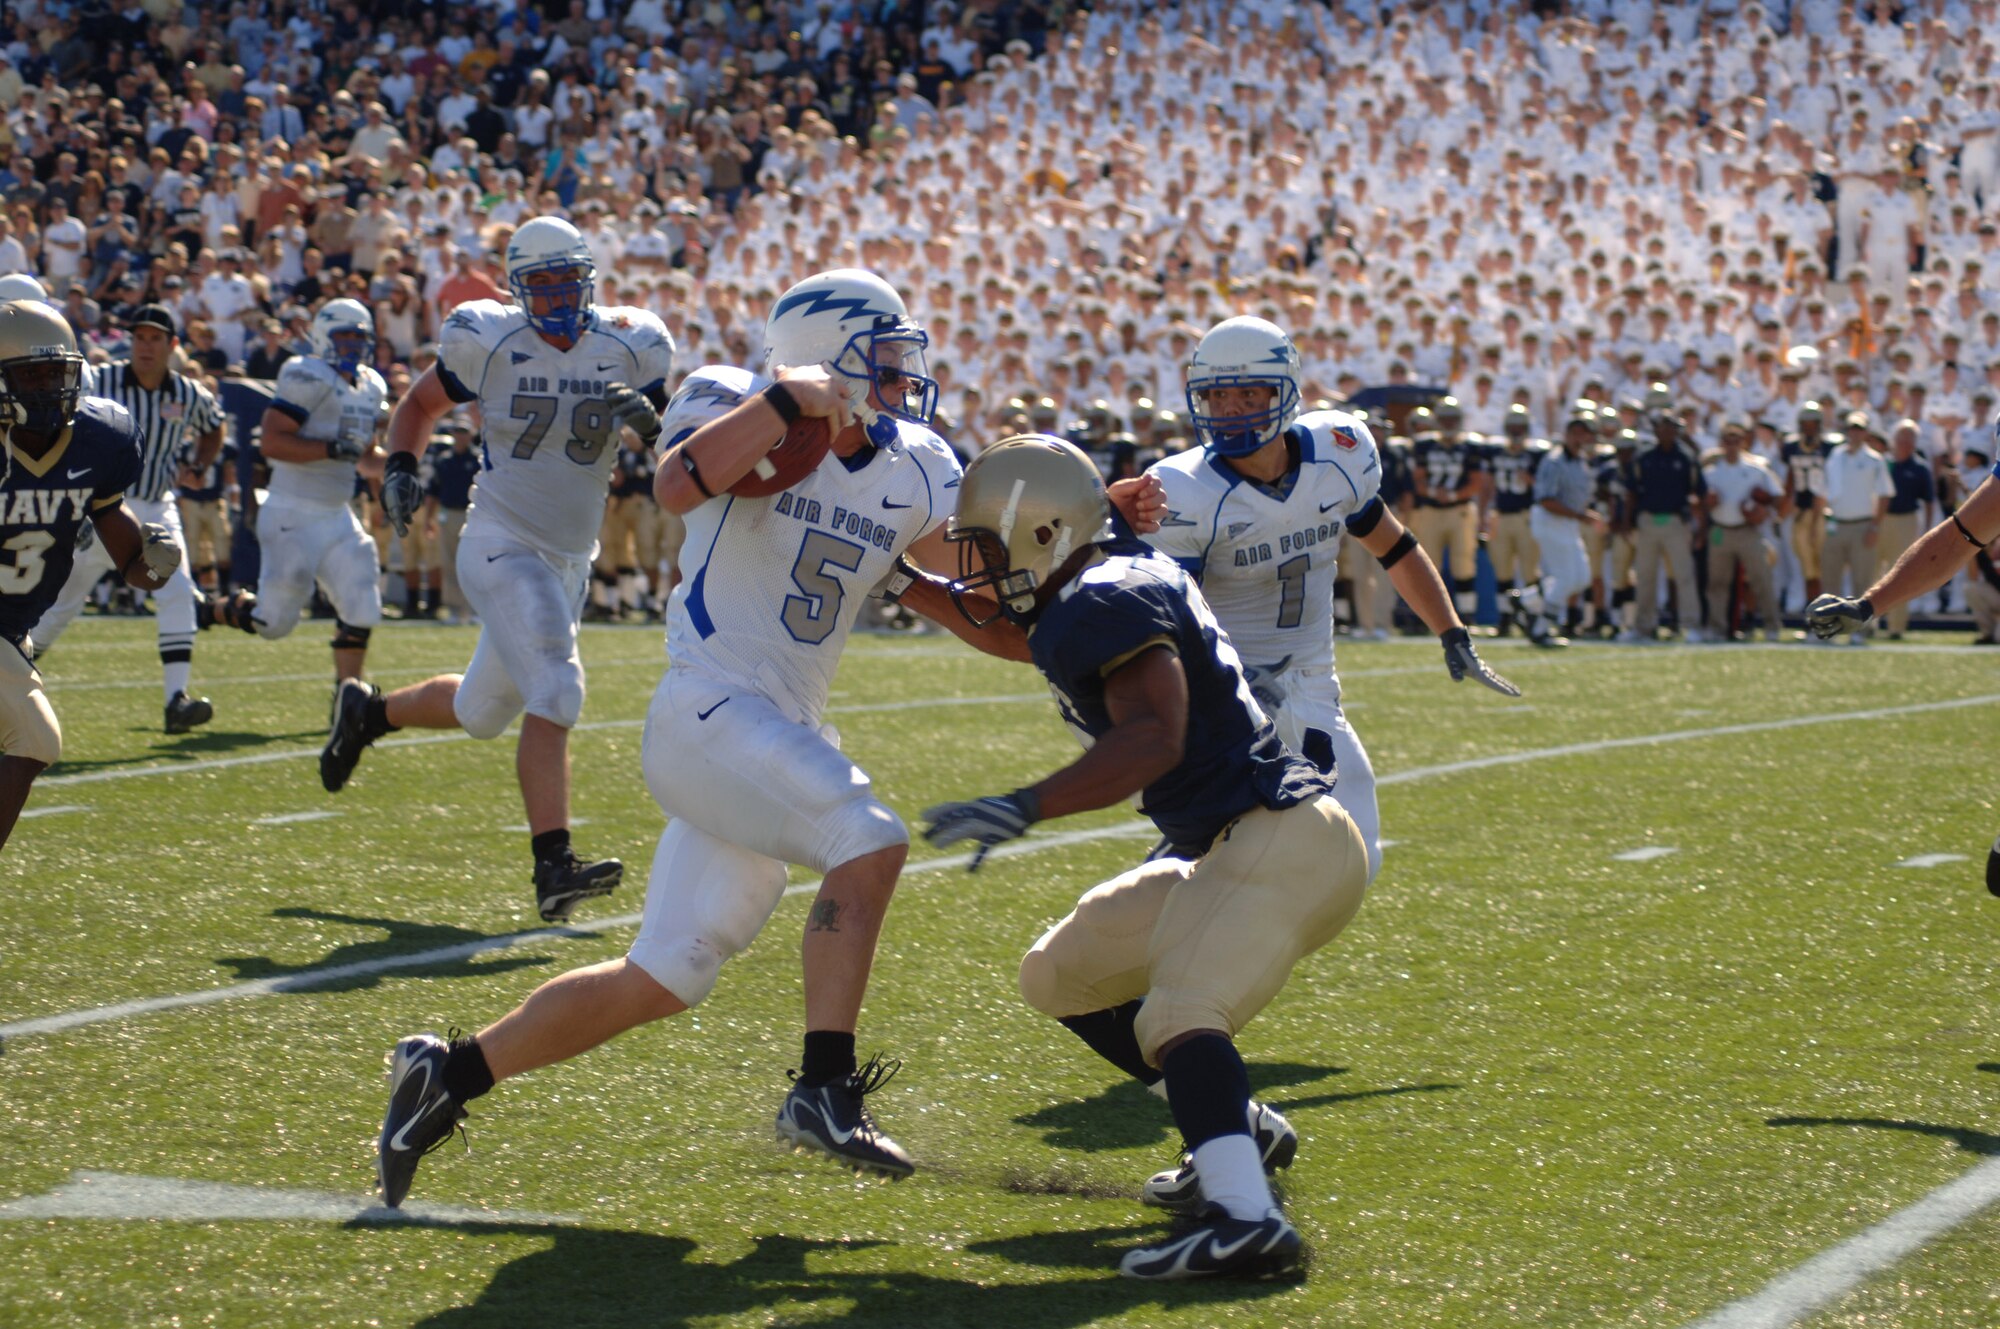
[(833, 1118), (1218, 1246), (562, 881), (421, 1114), (1179, 1189)]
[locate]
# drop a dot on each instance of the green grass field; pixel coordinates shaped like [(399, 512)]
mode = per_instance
[(1536, 1084)]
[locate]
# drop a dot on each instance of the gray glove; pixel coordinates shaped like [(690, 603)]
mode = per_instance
[(160, 552), (984, 821), (631, 410), (1831, 615), (1462, 660), (347, 447), (402, 491)]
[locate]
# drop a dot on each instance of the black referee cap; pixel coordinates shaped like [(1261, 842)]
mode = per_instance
[(153, 316)]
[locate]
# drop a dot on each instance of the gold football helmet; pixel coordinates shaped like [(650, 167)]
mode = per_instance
[(1026, 504), (41, 374)]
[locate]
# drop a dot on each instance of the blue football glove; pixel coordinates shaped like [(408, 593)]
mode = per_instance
[(1462, 660), (985, 822), (1831, 615)]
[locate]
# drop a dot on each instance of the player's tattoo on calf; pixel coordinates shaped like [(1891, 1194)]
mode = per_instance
[(825, 917)]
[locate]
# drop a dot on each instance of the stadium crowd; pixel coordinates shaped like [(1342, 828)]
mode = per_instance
[(1715, 212)]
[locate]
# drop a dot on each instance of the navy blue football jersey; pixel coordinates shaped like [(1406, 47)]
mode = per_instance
[(44, 503), (1233, 759)]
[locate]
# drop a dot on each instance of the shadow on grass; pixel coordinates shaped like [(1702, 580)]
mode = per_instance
[(594, 1277), (170, 748), (1128, 1116), (471, 960), (1971, 1141)]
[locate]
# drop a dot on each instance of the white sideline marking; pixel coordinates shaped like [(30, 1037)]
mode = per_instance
[(313, 978), (299, 982), (524, 828), (56, 684), (1644, 854), (454, 736), (294, 818), (56, 811), (1838, 1270), (1678, 736), (1931, 860), (119, 1196)]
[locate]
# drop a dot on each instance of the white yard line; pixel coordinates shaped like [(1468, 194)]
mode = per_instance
[(294, 818), (56, 684), (1837, 1271), (114, 1195), (1931, 860), (56, 811), (1644, 854)]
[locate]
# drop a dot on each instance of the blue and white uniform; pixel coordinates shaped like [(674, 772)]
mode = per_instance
[(734, 749), (306, 530), (1265, 557), (547, 450)]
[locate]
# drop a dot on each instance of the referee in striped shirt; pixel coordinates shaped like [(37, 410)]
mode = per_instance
[(181, 426)]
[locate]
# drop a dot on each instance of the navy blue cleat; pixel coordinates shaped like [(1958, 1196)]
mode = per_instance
[(562, 881), (350, 734), (833, 1119), (1218, 1246), (1179, 1189), (421, 1114)]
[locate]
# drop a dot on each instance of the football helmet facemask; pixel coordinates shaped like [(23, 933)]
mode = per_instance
[(1238, 353), (856, 325), (343, 335), (1025, 505), (553, 246), (41, 374)]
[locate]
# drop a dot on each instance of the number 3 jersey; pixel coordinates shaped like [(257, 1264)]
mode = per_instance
[(327, 407), (1264, 554), (771, 586), (44, 503), (545, 428)]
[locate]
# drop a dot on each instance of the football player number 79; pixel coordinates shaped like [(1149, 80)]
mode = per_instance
[(589, 426)]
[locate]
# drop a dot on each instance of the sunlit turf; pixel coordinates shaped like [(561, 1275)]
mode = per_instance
[(1535, 1084)]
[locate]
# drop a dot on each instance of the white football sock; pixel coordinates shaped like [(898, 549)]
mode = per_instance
[(1158, 1089), (177, 675), (1232, 1175)]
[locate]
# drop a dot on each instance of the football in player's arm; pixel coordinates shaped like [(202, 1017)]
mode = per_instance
[(66, 459)]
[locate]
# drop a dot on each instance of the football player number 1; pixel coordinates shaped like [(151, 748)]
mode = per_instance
[(25, 573), (812, 616), (1292, 590), (589, 426)]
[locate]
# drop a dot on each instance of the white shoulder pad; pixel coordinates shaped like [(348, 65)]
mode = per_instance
[(704, 395), (304, 381), (1345, 441), (1192, 491), (641, 330), (469, 336)]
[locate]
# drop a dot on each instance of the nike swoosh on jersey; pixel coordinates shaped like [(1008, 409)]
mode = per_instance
[(78, 474), (703, 715), (520, 357), (605, 369), (888, 506), (1325, 508), (493, 557)]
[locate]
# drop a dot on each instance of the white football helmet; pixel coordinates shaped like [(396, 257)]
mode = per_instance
[(550, 244), (343, 335), (1238, 353), (20, 286), (856, 325)]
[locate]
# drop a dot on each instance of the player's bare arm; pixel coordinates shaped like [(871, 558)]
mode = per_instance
[(727, 448), (1933, 560), (416, 416), (282, 441), (1147, 698), (1416, 579)]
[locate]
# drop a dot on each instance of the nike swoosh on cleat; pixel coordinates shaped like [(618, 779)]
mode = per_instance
[(1220, 1253), (399, 1141)]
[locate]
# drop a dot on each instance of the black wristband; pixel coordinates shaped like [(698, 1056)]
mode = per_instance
[(780, 399), (1029, 802), (1966, 535), (694, 474), (400, 463), (1457, 636), (902, 576)]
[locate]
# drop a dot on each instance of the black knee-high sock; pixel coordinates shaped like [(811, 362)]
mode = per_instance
[(1111, 1036), (465, 1074), (1208, 1087)]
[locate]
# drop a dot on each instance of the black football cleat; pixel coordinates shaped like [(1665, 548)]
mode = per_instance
[(1179, 1189), (351, 732), (1218, 1246), (185, 712), (421, 1114), (833, 1118), (1993, 868), (562, 881)]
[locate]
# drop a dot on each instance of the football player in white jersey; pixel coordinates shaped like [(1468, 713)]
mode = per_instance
[(735, 750), (556, 378), (1257, 514), (318, 427)]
